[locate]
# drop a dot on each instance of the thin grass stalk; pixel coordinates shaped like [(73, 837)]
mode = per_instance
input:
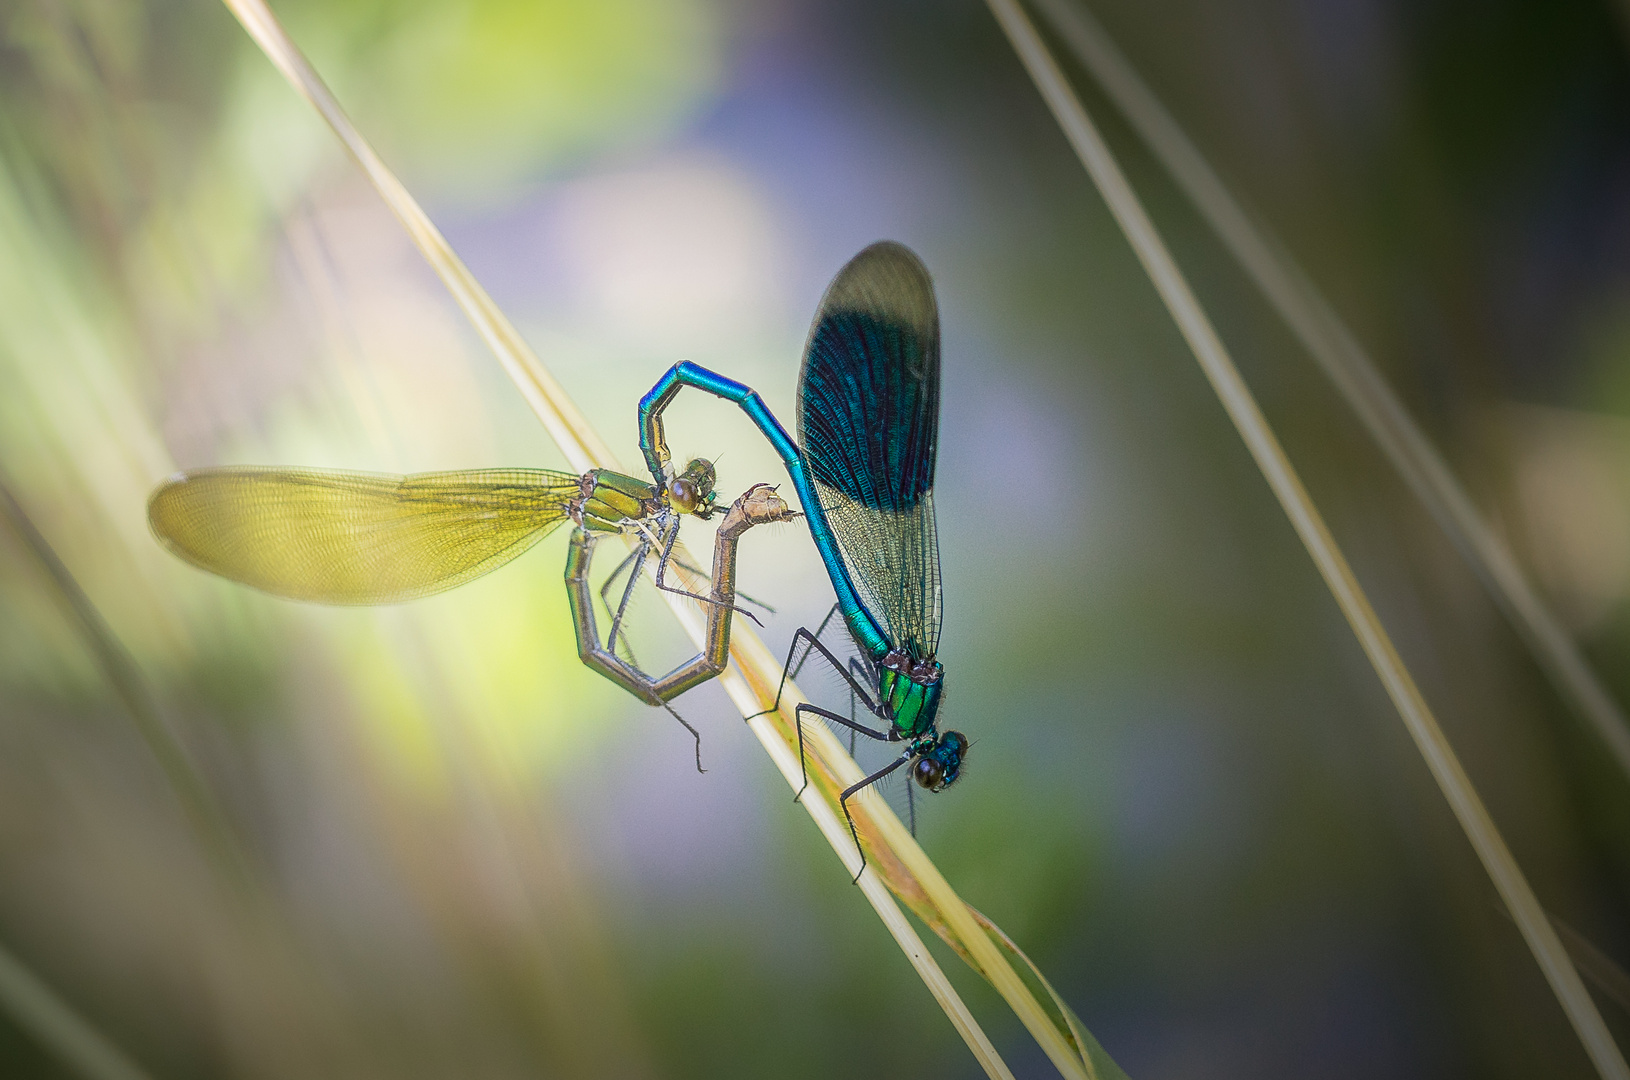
[(560, 417), (1099, 1063), (751, 681), (1349, 366), (1600, 968), (1298, 506), (37, 1009)]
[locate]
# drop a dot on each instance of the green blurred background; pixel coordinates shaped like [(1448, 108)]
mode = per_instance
[(1190, 800)]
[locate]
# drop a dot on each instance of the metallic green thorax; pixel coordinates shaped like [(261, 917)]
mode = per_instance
[(911, 692), (611, 499)]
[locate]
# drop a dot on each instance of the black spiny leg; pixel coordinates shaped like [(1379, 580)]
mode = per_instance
[(855, 688), (697, 735), (798, 713), (864, 673), (662, 565), (856, 668), (622, 568), (636, 559), (788, 671), (703, 575), (843, 801), (852, 733), (819, 630)]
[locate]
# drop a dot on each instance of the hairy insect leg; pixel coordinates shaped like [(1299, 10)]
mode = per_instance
[(859, 786), (802, 634), (636, 559), (698, 572), (668, 541), (693, 733), (803, 761), (819, 630), (858, 669)]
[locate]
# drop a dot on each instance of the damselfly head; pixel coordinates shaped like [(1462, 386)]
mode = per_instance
[(691, 492), (938, 765)]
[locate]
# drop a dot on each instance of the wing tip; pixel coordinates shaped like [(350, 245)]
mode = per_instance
[(886, 279), (157, 501)]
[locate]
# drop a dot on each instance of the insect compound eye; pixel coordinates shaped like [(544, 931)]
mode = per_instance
[(682, 495), (928, 773), (700, 472)]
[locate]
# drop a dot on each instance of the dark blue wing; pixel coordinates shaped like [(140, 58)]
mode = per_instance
[(868, 424)]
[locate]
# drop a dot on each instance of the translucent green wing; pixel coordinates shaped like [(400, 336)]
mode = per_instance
[(356, 538)]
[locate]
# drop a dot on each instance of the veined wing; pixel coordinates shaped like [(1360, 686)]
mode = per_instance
[(868, 424), (356, 538)]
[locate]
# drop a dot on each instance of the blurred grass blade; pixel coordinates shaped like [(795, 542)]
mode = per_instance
[(1598, 967), (42, 1014), (751, 682), (1287, 487), (1098, 1060), (1347, 365), (1611, 980), (209, 822)]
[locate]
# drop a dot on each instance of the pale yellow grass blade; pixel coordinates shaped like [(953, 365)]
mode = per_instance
[(752, 680), (1293, 497)]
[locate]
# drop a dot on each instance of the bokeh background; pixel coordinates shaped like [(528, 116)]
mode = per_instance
[(1190, 801)]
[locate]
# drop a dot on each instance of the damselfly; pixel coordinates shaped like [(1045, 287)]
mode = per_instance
[(868, 427), (360, 538)]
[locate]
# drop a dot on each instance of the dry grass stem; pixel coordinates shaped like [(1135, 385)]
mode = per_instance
[(1346, 363), (1287, 487), (900, 864), (571, 432)]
